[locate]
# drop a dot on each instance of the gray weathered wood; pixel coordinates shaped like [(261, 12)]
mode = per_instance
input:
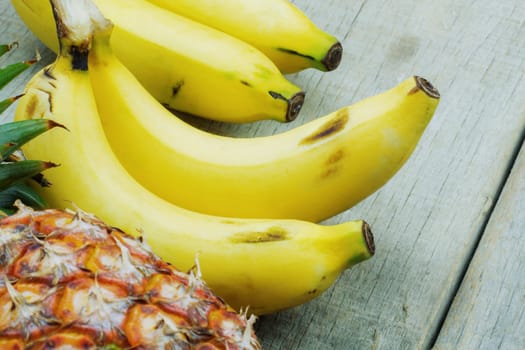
[(428, 218), (488, 312)]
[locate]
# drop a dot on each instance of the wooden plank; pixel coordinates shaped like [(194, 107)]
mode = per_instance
[(428, 218), (488, 311)]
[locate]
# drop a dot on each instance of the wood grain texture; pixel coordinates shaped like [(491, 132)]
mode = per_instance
[(488, 312), (428, 219)]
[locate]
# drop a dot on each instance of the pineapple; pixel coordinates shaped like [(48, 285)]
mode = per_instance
[(69, 281)]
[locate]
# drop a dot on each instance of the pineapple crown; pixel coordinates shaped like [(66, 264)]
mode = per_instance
[(15, 170)]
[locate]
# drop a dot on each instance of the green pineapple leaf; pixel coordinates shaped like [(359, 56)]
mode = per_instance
[(11, 173), (23, 192), (7, 47), (14, 169), (8, 102), (15, 134), (12, 70)]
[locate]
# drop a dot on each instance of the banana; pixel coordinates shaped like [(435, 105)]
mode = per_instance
[(311, 172), (276, 27), (267, 265), (184, 64)]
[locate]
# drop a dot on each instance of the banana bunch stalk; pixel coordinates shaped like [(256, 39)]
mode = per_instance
[(264, 264)]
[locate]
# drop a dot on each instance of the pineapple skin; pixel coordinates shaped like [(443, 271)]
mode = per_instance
[(69, 281)]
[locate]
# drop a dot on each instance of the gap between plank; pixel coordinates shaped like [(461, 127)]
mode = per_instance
[(506, 174)]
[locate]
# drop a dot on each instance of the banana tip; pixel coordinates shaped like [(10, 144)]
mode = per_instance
[(427, 87), (369, 238), (294, 106), (333, 57)]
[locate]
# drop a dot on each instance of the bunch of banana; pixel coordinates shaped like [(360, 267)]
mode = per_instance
[(237, 203), (189, 66), (265, 264), (312, 172), (291, 175)]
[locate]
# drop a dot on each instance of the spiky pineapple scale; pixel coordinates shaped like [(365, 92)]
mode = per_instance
[(69, 279)]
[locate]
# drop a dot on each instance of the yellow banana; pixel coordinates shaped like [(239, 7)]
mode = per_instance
[(276, 27), (311, 172), (267, 265), (184, 64)]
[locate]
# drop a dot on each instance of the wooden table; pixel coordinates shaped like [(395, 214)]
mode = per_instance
[(449, 270)]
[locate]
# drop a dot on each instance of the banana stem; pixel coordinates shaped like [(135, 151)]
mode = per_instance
[(294, 106), (76, 21)]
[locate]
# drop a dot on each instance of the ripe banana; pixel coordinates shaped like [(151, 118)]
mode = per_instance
[(276, 27), (184, 64), (267, 265), (311, 172)]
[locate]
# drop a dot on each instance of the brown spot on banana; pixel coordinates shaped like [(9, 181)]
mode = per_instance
[(335, 157), (50, 77), (329, 172), (47, 73), (49, 101), (329, 128), (426, 86), (176, 88), (36, 106), (273, 234), (31, 105), (332, 164)]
